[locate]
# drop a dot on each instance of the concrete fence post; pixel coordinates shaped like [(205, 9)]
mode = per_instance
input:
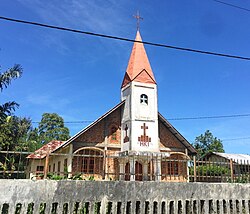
[(59, 208), (12, 208), (114, 207), (24, 208)]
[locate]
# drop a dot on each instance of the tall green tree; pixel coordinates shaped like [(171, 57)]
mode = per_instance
[(5, 80), (52, 127), (16, 134), (206, 143)]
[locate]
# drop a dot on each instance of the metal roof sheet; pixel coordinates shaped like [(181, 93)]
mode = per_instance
[(234, 157)]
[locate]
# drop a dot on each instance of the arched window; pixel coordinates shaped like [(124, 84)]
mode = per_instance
[(113, 133), (144, 99), (88, 161)]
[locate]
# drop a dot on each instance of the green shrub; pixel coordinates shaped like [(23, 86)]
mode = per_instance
[(77, 177), (210, 170)]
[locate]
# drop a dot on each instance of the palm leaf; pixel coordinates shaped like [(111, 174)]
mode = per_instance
[(12, 73), (6, 109)]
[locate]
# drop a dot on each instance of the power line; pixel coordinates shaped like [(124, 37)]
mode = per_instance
[(239, 138), (232, 5), (79, 121), (125, 39), (180, 118), (211, 117), (230, 139)]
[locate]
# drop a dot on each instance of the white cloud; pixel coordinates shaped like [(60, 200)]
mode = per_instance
[(104, 17), (98, 16)]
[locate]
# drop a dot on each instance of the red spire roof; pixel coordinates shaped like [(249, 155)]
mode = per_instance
[(139, 69)]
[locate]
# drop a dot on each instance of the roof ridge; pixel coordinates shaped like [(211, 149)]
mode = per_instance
[(91, 125)]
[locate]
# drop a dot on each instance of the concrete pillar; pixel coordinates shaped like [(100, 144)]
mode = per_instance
[(132, 169), (114, 207), (158, 207), (226, 209), (142, 207), (234, 206), (133, 206), (71, 206), (70, 161), (157, 168), (12, 208), (183, 202), (59, 208), (122, 170), (91, 207), (206, 207), (103, 205), (175, 206), (246, 206), (145, 171), (36, 208), (167, 207), (123, 207), (24, 208)]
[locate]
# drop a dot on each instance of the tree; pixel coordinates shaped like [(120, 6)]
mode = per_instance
[(207, 143), (52, 127), (16, 135), (5, 80)]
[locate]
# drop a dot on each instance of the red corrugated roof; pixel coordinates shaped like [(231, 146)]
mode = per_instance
[(49, 147)]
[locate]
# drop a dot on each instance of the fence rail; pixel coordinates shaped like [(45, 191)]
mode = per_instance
[(98, 166)]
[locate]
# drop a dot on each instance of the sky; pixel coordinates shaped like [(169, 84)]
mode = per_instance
[(79, 76)]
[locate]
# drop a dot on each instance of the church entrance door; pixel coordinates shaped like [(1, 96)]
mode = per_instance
[(138, 171)]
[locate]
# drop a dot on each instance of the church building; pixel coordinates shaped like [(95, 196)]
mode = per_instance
[(132, 141)]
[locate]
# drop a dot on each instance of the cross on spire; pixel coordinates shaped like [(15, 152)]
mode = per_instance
[(138, 17)]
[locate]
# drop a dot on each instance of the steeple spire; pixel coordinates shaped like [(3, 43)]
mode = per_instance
[(139, 69)]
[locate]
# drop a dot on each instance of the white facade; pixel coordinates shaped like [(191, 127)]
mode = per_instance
[(140, 117)]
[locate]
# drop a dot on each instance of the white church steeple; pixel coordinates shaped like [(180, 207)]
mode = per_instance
[(140, 115)]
